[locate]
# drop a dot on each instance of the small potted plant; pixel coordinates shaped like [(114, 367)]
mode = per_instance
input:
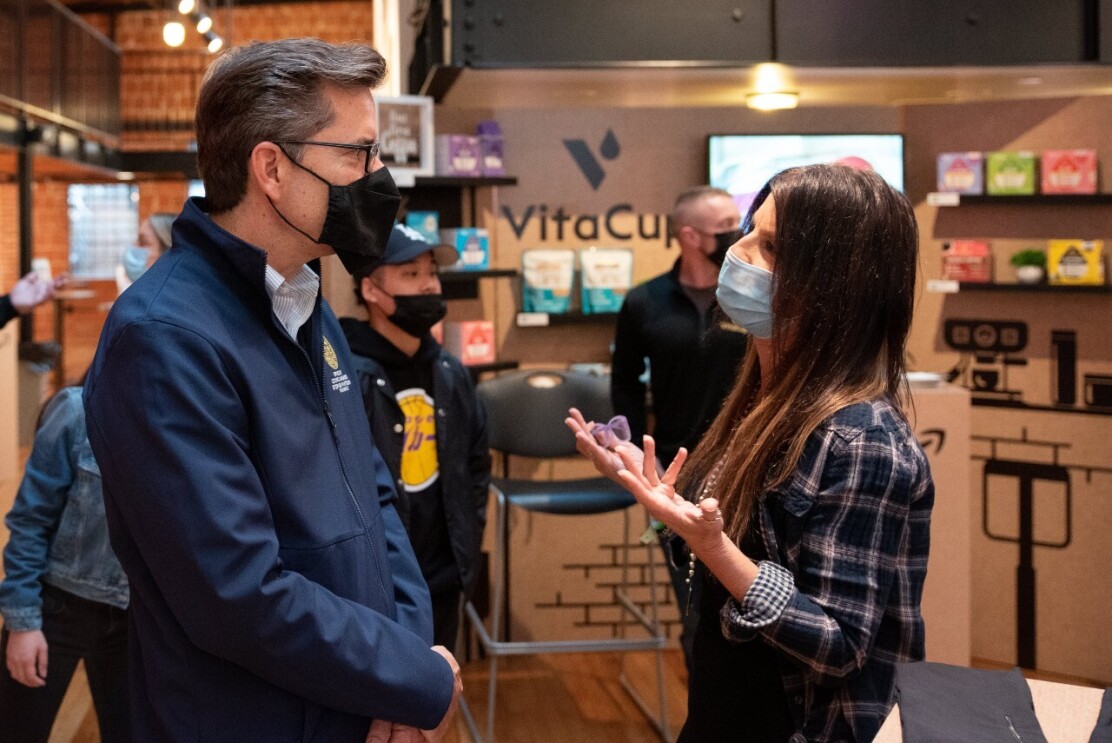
[(1030, 265)]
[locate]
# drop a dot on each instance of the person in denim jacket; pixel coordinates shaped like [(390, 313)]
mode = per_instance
[(808, 502), (64, 596)]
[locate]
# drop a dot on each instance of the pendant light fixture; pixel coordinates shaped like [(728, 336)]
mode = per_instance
[(772, 88)]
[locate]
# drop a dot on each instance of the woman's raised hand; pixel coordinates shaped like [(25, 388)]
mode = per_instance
[(606, 461), (697, 523)]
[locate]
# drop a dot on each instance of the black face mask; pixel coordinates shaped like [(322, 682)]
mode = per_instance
[(417, 313), (359, 219), (722, 243)]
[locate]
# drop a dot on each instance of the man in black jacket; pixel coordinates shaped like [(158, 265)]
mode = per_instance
[(671, 326), (425, 418)]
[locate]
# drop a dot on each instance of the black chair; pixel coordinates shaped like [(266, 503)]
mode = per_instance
[(526, 412)]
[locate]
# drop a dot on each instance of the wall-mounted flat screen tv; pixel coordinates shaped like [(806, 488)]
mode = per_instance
[(743, 163)]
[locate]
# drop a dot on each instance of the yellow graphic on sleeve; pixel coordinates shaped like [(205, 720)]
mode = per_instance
[(420, 466)]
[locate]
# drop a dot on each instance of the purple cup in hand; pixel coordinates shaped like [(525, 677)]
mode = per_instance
[(610, 434)]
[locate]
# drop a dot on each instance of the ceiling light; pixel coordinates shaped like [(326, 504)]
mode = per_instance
[(185, 7), (770, 101), (204, 23), (215, 44), (173, 33)]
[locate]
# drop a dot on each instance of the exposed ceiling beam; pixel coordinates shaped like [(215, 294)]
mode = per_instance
[(123, 6)]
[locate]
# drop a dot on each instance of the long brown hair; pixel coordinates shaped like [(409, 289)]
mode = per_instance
[(845, 266)]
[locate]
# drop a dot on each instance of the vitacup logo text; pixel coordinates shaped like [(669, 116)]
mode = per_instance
[(618, 223), (586, 160)]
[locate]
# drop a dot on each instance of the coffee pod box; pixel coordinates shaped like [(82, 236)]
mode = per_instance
[(457, 155), (473, 246), (1075, 262), (426, 223), (1069, 171), (961, 172), (967, 260), (492, 148), (471, 341), (1010, 173)]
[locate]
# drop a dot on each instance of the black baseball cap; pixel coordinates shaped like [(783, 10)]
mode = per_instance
[(406, 243)]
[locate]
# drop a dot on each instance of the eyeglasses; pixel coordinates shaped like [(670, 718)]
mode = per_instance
[(369, 150)]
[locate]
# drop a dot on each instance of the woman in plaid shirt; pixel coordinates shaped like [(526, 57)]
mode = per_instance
[(808, 501)]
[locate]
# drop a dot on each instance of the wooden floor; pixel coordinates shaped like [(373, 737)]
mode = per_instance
[(571, 698)]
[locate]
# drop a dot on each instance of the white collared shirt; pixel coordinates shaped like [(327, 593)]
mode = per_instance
[(292, 300)]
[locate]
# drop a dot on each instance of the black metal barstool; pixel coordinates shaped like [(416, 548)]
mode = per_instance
[(526, 412)]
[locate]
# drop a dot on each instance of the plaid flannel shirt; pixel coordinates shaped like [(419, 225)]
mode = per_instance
[(848, 535)]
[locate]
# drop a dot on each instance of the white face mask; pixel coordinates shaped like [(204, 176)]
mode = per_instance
[(745, 295)]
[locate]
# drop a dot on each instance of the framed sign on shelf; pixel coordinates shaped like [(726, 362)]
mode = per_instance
[(405, 135)]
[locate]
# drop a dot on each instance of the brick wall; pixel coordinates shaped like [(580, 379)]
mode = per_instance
[(50, 233), (161, 196), (159, 85), (9, 235)]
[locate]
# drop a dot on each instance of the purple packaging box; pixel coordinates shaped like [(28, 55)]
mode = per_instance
[(961, 172), (492, 148), (458, 155)]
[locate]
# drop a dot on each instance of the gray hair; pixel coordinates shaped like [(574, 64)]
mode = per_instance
[(161, 223), (681, 211), (270, 91)]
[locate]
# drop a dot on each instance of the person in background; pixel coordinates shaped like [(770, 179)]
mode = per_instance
[(27, 294), (152, 241), (671, 326), (425, 418), (64, 595), (808, 501), (274, 592)]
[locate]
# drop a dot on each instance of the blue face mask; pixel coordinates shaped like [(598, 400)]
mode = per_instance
[(135, 261), (745, 295)]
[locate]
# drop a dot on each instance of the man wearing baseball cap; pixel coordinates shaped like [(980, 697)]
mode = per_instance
[(424, 416)]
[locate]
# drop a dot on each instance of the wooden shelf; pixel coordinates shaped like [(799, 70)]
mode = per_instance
[(465, 284), (945, 286), (968, 286), (548, 319), (451, 181), (477, 369), (449, 276), (1045, 199)]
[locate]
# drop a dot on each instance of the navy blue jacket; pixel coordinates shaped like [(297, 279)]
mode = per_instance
[(274, 592)]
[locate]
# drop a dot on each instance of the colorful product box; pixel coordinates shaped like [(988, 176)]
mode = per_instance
[(1010, 173), (967, 260), (1075, 262), (491, 148), (457, 155), (426, 223), (547, 275), (471, 341), (961, 172), (606, 274), (473, 245), (1069, 171)]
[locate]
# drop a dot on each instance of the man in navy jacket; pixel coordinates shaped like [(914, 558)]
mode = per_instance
[(274, 592)]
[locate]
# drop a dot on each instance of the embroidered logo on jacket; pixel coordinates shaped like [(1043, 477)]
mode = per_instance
[(340, 380), (330, 355)]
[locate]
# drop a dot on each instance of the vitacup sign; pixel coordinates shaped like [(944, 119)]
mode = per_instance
[(619, 223), (559, 225)]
